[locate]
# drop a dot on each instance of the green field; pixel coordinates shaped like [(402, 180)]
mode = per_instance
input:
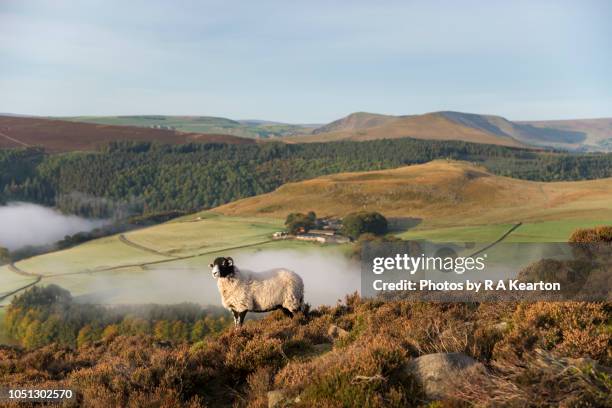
[(480, 233), (545, 231), (186, 243), (111, 270), (552, 231), (198, 124), (11, 281), (168, 262), (188, 236), (205, 232)]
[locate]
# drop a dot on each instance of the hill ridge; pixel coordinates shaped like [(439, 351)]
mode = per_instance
[(439, 192), (590, 135)]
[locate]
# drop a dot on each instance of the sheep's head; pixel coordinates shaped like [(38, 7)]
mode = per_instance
[(222, 267)]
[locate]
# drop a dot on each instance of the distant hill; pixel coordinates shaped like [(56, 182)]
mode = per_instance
[(355, 121), (252, 128), (440, 192), (597, 132), (572, 135), (432, 126), (63, 136), (591, 135)]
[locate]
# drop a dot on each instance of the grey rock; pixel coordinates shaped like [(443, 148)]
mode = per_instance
[(277, 398), (437, 373), (336, 332), (501, 327)]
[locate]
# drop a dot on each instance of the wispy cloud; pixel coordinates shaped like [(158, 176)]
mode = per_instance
[(302, 61)]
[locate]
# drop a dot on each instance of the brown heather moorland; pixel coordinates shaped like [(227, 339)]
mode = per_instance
[(542, 354), (63, 136), (358, 353)]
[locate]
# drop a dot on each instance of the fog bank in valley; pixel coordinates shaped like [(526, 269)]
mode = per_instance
[(24, 224), (328, 276)]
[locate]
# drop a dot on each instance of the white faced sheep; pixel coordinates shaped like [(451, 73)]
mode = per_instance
[(245, 291)]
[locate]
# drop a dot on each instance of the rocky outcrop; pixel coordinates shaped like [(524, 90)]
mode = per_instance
[(336, 332), (437, 373)]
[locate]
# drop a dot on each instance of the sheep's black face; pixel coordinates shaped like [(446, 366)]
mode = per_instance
[(222, 267)]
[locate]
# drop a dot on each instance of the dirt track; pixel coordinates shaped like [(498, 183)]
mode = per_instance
[(133, 244), (14, 140)]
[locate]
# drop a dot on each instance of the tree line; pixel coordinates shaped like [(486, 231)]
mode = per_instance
[(128, 178), (45, 315)]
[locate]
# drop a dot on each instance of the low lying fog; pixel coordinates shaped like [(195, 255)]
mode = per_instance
[(327, 277), (23, 224)]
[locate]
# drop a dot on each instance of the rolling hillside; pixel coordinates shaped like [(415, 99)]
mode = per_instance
[(597, 132), (62, 136), (200, 124), (66, 134), (439, 193), (592, 135), (354, 122), (431, 126), (440, 201)]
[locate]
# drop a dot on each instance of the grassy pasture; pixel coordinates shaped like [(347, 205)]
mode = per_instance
[(545, 231), (197, 124), (553, 231), (188, 236), (9, 280), (175, 281), (478, 233), (102, 253), (205, 232)]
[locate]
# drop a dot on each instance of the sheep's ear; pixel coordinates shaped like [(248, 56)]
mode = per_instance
[(211, 265), (230, 261)]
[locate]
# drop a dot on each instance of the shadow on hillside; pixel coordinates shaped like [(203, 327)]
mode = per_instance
[(402, 224)]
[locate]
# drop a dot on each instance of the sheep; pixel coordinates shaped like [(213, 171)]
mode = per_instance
[(245, 291)]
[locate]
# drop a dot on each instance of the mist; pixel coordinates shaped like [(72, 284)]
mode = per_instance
[(27, 224), (328, 276)]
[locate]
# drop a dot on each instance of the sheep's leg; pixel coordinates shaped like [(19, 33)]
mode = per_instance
[(287, 312), (241, 316), (236, 319)]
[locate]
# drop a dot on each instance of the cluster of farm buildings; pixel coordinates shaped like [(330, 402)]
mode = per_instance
[(327, 230), (162, 127)]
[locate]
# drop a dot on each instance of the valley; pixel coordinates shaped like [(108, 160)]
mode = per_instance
[(438, 201)]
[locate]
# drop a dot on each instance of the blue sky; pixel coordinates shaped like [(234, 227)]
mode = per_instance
[(306, 61)]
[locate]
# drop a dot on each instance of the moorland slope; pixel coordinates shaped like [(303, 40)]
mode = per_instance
[(63, 136), (597, 132), (431, 126), (592, 135), (440, 192)]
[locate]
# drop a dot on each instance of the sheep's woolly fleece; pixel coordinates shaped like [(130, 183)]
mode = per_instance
[(259, 292)]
